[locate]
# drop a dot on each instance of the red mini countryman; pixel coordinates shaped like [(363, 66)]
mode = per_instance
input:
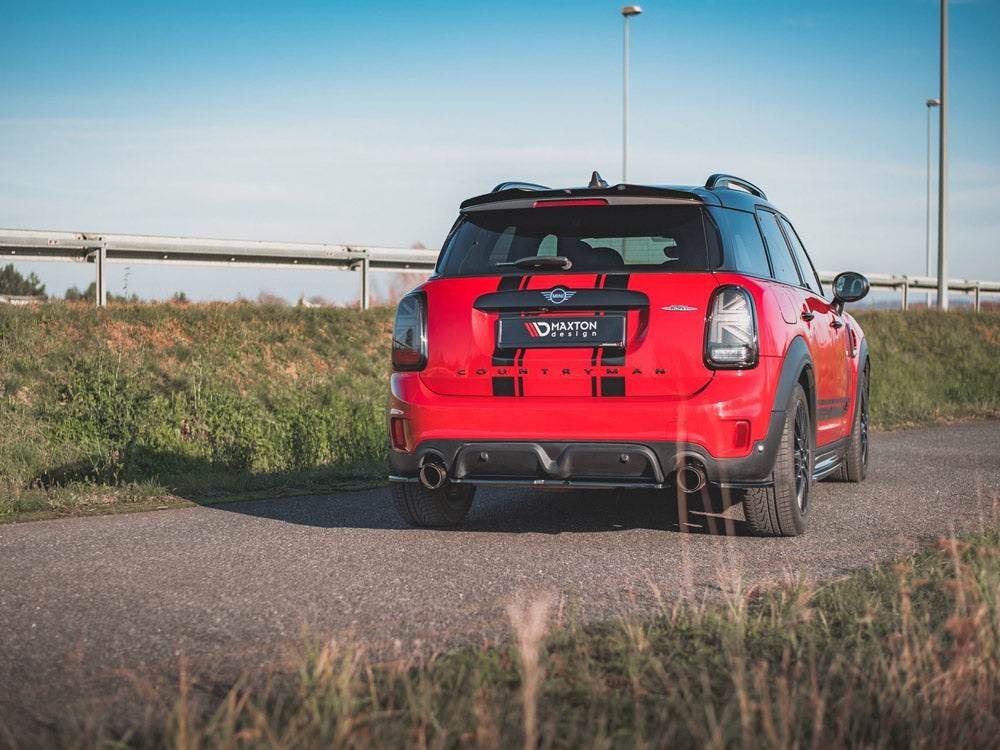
[(627, 336)]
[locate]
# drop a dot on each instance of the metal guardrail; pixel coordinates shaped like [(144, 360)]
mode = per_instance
[(101, 249), (905, 284), (22, 299)]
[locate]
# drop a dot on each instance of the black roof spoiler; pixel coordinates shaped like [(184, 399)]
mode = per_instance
[(616, 191)]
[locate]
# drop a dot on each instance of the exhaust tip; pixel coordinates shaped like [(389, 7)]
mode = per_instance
[(691, 478), (433, 475)]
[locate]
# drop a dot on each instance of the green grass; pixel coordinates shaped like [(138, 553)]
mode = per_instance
[(930, 367), (138, 406), (903, 655)]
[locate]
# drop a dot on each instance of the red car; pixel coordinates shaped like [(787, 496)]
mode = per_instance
[(626, 336)]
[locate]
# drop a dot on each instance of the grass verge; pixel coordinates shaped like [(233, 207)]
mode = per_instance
[(930, 367), (900, 655), (137, 406)]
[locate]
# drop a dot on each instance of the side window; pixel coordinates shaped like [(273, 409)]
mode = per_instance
[(801, 257), (751, 258), (777, 248)]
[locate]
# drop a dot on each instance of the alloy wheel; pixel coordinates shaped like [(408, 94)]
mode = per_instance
[(801, 456)]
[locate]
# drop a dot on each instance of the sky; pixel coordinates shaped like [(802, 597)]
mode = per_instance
[(368, 123)]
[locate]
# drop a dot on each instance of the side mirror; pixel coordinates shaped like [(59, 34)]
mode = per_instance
[(849, 287)]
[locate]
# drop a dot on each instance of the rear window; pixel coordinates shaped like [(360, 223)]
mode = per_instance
[(595, 238)]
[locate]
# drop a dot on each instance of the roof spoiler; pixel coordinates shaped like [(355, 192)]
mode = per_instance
[(726, 181)]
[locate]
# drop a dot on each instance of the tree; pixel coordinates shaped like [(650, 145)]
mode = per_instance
[(11, 282), (73, 294)]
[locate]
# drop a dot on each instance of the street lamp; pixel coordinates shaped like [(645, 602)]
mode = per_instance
[(942, 266), (930, 103), (627, 12)]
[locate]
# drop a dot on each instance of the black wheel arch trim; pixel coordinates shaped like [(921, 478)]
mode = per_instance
[(863, 363), (798, 360)]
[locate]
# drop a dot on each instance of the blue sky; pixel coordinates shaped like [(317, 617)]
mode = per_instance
[(369, 123)]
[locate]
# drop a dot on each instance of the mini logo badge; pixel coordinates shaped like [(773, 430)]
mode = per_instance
[(558, 295), (678, 308)]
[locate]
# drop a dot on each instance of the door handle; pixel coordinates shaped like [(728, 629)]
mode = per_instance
[(837, 325), (807, 316)]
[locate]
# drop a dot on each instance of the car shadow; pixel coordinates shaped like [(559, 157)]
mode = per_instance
[(506, 510), (518, 511)]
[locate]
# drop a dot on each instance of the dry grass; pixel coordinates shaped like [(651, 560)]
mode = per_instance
[(900, 655)]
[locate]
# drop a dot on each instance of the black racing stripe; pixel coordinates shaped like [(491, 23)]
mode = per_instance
[(616, 281), (503, 387), (520, 386), (612, 357), (615, 357), (596, 354), (593, 385), (612, 386), (519, 354), (504, 357)]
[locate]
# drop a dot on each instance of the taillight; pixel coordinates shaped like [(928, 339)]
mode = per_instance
[(409, 333), (731, 330)]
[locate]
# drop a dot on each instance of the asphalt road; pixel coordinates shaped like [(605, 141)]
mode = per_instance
[(96, 612)]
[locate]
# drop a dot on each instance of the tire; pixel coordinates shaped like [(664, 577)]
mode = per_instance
[(855, 466), (419, 506), (780, 510)]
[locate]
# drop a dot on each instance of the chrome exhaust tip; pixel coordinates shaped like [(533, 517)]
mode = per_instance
[(691, 478), (433, 475)]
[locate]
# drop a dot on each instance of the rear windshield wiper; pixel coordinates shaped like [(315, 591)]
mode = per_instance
[(539, 261)]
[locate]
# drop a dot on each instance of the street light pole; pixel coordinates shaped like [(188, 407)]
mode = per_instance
[(627, 12), (943, 167), (930, 103)]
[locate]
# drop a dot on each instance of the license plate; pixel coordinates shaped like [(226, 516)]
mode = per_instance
[(537, 333)]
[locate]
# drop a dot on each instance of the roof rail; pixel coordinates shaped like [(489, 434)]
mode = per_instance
[(717, 181), (516, 185)]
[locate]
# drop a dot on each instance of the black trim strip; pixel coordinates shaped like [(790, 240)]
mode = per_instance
[(524, 300), (829, 412), (832, 401)]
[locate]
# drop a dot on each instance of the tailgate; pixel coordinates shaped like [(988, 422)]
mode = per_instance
[(568, 335)]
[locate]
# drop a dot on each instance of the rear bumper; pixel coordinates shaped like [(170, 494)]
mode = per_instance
[(590, 442), (582, 464)]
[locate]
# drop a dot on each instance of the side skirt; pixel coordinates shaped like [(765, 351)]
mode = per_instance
[(829, 458)]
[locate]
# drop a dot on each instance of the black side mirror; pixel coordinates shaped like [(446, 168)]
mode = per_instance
[(849, 287)]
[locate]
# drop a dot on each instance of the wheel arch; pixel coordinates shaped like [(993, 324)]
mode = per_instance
[(797, 368), (864, 365)]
